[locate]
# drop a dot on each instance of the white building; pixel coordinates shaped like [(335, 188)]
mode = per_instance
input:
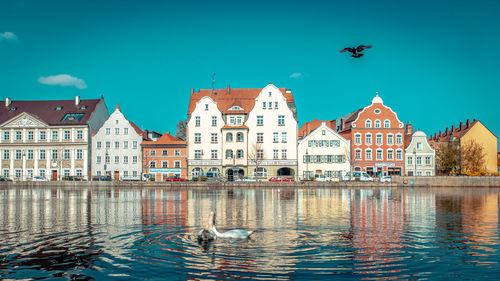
[(420, 158), (323, 152), (48, 138), (117, 149), (240, 132)]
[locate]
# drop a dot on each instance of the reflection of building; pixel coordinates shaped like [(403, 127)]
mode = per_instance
[(420, 158), (323, 151), (48, 138), (161, 206), (242, 131), (480, 219), (116, 148), (165, 157)]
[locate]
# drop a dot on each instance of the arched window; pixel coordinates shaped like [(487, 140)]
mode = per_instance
[(229, 154), (357, 138), (378, 124), (260, 172), (357, 169), (214, 170), (239, 154), (357, 154), (239, 137), (196, 172), (368, 123), (380, 155), (229, 137), (387, 124)]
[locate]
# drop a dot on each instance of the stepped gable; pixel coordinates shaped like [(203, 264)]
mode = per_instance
[(51, 112)]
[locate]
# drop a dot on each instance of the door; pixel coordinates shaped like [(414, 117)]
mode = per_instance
[(54, 175), (117, 176)]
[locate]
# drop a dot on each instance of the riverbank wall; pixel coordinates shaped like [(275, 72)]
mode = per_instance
[(395, 183)]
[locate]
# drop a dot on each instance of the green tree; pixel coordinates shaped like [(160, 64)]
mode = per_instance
[(473, 157), (448, 157)]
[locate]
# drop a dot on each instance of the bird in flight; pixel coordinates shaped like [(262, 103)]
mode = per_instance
[(355, 51)]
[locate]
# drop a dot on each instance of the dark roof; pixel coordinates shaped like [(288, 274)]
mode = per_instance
[(457, 132), (51, 112)]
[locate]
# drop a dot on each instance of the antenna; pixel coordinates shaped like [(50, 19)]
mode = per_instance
[(213, 82)]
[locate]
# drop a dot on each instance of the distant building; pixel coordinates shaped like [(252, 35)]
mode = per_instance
[(239, 132), (48, 138), (165, 157), (377, 139), (476, 131), (420, 158), (117, 149), (322, 151)]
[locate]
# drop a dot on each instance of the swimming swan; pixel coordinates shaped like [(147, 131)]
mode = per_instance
[(210, 233)]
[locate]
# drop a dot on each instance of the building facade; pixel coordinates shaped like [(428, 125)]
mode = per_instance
[(323, 152), (239, 132), (166, 157), (420, 158), (117, 149), (377, 139), (48, 138)]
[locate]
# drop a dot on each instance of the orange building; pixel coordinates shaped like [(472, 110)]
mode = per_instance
[(165, 157)]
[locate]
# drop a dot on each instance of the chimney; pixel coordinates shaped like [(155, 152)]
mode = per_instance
[(452, 128), (8, 101), (467, 123), (288, 91), (117, 107), (473, 120), (408, 129), (77, 100), (460, 126), (440, 133), (341, 125), (192, 91), (307, 129), (228, 89), (446, 132)]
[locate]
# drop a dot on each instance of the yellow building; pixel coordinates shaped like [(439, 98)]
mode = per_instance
[(476, 131)]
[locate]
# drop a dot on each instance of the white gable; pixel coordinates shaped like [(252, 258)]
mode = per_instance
[(25, 120)]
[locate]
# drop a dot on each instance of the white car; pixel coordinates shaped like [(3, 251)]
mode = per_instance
[(385, 179), (39, 178), (318, 177), (361, 176), (247, 179)]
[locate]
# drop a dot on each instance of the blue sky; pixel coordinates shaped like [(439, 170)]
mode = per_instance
[(433, 62)]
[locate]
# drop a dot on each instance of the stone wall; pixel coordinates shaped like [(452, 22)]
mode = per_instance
[(453, 181)]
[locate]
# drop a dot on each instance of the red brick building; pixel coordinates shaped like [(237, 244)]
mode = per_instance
[(377, 139), (165, 157)]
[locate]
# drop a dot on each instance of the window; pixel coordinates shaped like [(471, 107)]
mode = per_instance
[(117, 131), (177, 164), (41, 173), (390, 139), (164, 164), (206, 106), (134, 144), (98, 160), (197, 121), (427, 160), (419, 146), (399, 139), (152, 164), (19, 135), (260, 154), (214, 138), (399, 154), (117, 144), (229, 154), (134, 159), (6, 135), (79, 154), (238, 120), (108, 144), (42, 154), (270, 105), (108, 131), (29, 173), (18, 154), (283, 137), (214, 121), (134, 174), (368, 155), (43, 135), (30, 135), (428, 173), (125, 145), (79, 135), (55, 135), (357, 138), (164, 152), (107, 159), (419, 173), (239, 137), (197, 154), (260, 172), (283, 154), (30, 154), (229, 137), (152, 152), (307, 158), (239, 154), (357, 154), (177, 152), (390, 154), (213, 154), (270, 94), (368, 138), (5, 173), (260, 120), (378, 124), (231, 120), (334, 143), (264, 105), (125, 159), (6, 154), (275, 154), (125, 131), (67, 154), (410, 160), (387, 124), (73, 117), (117, 159), (419, 160), (276, 105), (281, 120), (379, 139), (260, 137), (197, 137), (368, 123), (54, 154), (275, 137), (67, 135), (379, 154), (17, 173)]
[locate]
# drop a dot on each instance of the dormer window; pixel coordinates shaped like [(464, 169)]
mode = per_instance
[(236, 108), (206, 106), (73, 117), (59, 108), (84, 107), (13, 108)]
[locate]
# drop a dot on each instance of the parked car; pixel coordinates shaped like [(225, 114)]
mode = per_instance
[(357, 176), (39, 178), (281, 179), (5, 179), (247, 179), (385, 179), (214, 176), (101, 178), (318, 177), (175, 179)]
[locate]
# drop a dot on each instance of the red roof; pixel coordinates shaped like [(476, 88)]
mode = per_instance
[(51, 112), (235, 127), (457, 132), (165, 139), (227, 98), (310, 126)]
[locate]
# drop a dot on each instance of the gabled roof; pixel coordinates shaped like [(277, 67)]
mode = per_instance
[(51, 112), (165, 139), (457, 132), (310, 126), (227, 98)]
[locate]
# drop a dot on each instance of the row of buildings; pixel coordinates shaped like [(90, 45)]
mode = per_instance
[(231, 132)]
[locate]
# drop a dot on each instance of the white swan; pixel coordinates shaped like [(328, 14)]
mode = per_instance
[(209, 232), (234, 233)]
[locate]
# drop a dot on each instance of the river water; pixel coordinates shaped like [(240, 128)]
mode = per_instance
[(303, 234)]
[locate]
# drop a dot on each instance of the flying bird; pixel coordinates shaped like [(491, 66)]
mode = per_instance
[(355, 51)]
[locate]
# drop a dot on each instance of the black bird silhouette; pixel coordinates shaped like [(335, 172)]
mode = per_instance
[(355, 51)]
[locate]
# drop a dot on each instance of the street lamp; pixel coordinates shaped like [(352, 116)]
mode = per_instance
[(201, 168), (415, 159), (307, 164)]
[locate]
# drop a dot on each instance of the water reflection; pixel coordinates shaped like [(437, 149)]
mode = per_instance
[(300, 234)]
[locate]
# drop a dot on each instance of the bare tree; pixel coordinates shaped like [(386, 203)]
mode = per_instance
[(256, 155), (448, 157), (181, 130), (473, 157)]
